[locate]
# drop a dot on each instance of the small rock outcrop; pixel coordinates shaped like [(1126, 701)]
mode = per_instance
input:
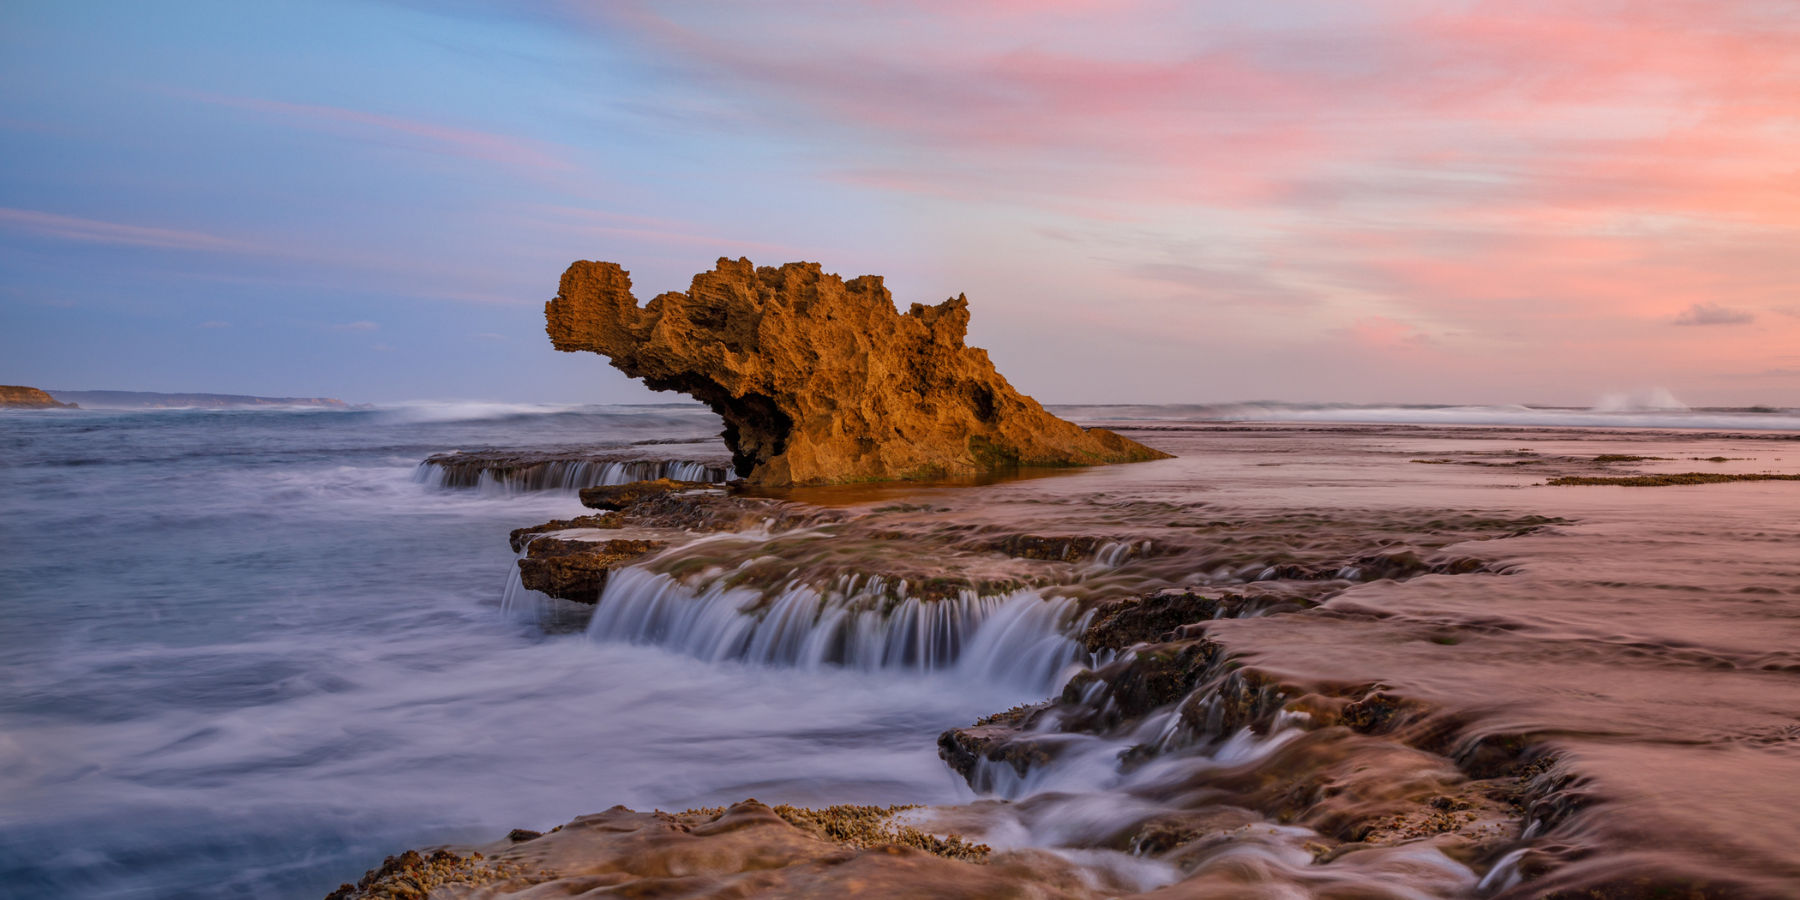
[(612, 497), (13, 396), (821, 380), (577, 570)]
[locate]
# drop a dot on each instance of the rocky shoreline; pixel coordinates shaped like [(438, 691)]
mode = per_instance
[(1360, 768), (1188, 751), (1366, 771)]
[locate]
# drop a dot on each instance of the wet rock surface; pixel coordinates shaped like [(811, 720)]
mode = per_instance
[(748, 849), (1223, 765), (820, 380), (521, 536), (617, 497), (415, 876), (1671, 480)]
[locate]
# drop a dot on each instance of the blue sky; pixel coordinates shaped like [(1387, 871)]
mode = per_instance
[(1145, 202), (353, 199)]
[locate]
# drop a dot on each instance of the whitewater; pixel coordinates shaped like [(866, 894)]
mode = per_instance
[(247, 652)]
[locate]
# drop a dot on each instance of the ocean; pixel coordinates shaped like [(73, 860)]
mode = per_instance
[(250, 652)]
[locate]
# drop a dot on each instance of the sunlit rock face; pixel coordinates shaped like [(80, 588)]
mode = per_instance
[(821, 380), (14, 396)]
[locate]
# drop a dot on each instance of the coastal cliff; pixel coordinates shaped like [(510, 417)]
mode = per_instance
[(13, 396), (821, 380)]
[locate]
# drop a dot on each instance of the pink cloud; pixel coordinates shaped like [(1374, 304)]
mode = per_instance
[(1383, 333), (1531, 176)]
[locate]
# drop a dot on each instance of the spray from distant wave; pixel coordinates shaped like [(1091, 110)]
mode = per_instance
[(1656, 409)]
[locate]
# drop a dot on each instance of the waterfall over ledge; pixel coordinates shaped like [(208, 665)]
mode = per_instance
[(489, 478), (1019, 639)]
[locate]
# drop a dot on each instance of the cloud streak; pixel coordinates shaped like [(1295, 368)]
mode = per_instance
[(1713, 314), (71, 228)]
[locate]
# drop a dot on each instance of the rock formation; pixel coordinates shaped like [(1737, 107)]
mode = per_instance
[(13, 396), (820, 380), (577, 570)]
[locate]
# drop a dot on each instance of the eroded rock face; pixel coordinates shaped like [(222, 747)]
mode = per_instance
[(13, 396), (821, 380), (577, 570)]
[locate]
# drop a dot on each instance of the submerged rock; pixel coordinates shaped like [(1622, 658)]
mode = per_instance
[(13, 396), (820, 380)]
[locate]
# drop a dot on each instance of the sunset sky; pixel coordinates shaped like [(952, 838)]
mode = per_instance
[(1336, 200)]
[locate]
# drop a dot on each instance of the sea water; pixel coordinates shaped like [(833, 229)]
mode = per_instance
[(245, 654), (250, 653)]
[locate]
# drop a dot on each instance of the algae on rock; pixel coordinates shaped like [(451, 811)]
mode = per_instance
[(821, 380)]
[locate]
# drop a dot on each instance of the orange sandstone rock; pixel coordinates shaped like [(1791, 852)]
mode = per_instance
[(821, 380)]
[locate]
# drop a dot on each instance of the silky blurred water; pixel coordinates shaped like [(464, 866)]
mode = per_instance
[(247, 654), (244, 654)]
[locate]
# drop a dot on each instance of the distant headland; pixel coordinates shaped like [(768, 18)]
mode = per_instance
[(16, 396)]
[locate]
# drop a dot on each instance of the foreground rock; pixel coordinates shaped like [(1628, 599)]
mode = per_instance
[(577, 570), (820, 380), (748, 850), (13, 396)]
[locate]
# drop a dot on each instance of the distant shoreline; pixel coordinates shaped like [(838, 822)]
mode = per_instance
[(155, 400)]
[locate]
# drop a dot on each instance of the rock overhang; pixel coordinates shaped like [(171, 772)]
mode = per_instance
[(822, 380)]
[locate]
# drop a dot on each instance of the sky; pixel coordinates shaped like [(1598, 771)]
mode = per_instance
[(1362, 201)]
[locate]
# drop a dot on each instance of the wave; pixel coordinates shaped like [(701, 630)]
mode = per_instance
[(1020, 640)]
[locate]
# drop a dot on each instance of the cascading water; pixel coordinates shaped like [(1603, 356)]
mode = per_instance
[(1079, 795), (563, 475), (1019, 638)]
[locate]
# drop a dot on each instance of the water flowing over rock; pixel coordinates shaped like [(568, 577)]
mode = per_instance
[(820, 380), (1018, 639), (520, 471)]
